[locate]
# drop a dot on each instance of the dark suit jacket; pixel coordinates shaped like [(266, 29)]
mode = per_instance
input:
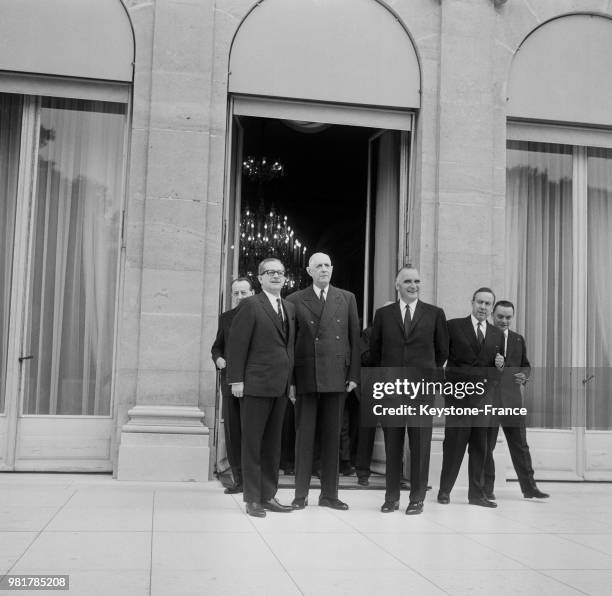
[(465, 353), (219, 347), (424, 346), (260, 353), (516, 361), (327, 351)]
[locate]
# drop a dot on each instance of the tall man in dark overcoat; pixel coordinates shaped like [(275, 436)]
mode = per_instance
[(260, 366), (241, 289), (327, 360), (475, 356), (409, 333)]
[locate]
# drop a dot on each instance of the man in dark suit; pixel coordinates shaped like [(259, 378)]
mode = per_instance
[(241, 288), (409, 333), (326, 368), (514, 377), (475, 355), (259, 371)]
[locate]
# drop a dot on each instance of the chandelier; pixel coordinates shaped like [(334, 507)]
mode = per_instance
[(264, 232)]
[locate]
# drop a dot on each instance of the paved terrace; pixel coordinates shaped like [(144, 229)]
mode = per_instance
[(127, 538)]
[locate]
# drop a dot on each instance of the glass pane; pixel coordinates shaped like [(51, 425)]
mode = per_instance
[(10, 136), (539, 271), (75, 255), (599, 289)]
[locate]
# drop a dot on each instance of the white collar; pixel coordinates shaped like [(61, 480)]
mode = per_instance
[(411, 306)]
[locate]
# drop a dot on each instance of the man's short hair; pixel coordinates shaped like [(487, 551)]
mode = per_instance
[(505, 304), (404, 267), (264, 264), (239, 279), (483, 290), (314, 254)]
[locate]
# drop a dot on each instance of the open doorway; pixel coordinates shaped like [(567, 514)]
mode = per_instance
[(304, 187), (320, 186)]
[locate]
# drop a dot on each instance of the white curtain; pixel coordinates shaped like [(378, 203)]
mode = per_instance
[(74, 267), (539, 271), (599, 289), (10, 134), (386, 197)]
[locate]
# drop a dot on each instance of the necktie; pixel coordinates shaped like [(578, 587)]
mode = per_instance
[(322, 297), (279, 312), (407, 319), (480, 335)]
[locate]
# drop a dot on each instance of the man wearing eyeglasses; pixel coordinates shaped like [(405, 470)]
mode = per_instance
[(241, 289), (260, 366), (327, 355)]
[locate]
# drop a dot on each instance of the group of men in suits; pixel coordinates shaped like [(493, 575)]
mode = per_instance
[(307, 348), (416, 335)]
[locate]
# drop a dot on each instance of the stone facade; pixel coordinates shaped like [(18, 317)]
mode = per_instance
[(165, 380)]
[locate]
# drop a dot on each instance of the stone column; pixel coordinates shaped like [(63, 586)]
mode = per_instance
[(166, 437)]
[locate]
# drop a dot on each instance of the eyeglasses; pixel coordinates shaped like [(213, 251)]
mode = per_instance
[(273, 272)]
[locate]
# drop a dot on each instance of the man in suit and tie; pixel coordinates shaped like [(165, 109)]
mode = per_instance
[(475, 355), (259, 372), (514, 377), (409, 333), (326, 368), (241, 289)]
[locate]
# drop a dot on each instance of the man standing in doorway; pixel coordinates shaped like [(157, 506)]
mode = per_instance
[(326, 368), (514, 377), (259, 371), (475, 355), (409, 333), (241, 288)]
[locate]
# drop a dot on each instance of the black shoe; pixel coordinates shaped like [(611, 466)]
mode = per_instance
[(232, 490), (299, 502), (255, 510), (482, 502), (289, 471), (274, 505), (389, 506), (363, 481), (443, 498), (414, 508), (491, 496), (332, 503), (536, 494)]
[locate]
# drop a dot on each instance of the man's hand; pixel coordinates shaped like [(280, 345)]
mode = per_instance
[(237, 389), (520, 378), (350, 385), (499, 361), (220, 362), (292, 393)]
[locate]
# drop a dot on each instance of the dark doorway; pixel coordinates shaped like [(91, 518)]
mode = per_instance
[(322, 191)]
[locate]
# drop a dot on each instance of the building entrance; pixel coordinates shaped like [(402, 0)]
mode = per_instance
[(299, 186)]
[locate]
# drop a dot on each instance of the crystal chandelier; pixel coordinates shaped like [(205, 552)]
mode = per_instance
[(267, 233)]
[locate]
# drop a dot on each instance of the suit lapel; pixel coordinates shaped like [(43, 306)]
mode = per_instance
[(468, 330), (418, 313), (312, 303), (271, 313), (490, 340), (397, 315), (333, 301)]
